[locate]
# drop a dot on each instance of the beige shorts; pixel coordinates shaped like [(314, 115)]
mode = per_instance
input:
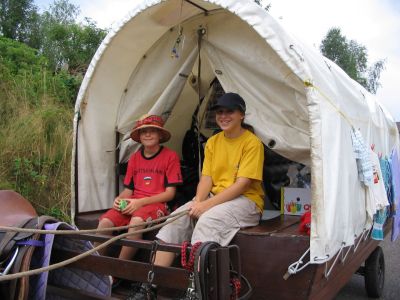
[(218, 224)]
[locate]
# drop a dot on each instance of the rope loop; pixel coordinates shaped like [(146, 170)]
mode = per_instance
[(188, 264)]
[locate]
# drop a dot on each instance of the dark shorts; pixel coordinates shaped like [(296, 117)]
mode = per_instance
[(146, 213)]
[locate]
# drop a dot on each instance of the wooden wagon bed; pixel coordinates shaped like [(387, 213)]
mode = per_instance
[(266, 252), (268, 249)]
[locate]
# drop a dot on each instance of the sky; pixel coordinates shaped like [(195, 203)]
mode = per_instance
[(372, 23)]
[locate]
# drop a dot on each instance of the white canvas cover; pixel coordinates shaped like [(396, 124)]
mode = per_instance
[(295, 97)]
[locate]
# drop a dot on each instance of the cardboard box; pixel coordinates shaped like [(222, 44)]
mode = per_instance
[(295, 201)]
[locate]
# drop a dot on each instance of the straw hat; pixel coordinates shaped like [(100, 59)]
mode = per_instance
[(147, 121)]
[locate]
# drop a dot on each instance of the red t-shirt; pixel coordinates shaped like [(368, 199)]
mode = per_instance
[(149, 176)]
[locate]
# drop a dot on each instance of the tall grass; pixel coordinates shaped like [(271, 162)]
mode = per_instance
[(36, 136)]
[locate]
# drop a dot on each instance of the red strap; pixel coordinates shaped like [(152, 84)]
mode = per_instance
[(236, 284), (188, 264), (183, 253)]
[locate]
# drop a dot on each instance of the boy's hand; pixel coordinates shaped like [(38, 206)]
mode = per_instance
[(123, 204), (132, 205), (116, 203), (198, 208), (120, 204)]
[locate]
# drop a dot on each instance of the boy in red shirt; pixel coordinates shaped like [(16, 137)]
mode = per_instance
[(150, 182)]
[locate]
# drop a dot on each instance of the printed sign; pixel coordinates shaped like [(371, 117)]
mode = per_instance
[(295, 201)]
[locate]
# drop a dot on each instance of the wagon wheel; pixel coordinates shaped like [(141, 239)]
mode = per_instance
[(375, 273)]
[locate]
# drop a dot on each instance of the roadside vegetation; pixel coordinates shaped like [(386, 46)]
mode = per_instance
[(43, 58), (35, 129)]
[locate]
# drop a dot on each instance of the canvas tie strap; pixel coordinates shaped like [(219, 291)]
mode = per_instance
[(308, 83), (200, 33)]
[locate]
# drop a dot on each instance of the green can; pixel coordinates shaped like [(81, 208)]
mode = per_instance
[(123, 204)]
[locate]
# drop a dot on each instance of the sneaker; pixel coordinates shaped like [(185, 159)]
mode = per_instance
[(143, 291)]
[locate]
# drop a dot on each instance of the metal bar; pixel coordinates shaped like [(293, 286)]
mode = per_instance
[(196, 5)]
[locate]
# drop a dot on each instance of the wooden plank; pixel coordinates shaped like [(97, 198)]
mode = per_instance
[(131, 270), (264, 261), (281, 225), (142, 244)]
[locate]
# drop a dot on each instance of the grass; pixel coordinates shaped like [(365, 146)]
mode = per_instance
[(36, 139)]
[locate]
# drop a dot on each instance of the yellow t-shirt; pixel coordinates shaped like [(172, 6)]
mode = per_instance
[(227, 159)]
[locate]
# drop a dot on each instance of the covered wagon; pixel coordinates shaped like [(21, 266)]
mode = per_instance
[(173, 58)]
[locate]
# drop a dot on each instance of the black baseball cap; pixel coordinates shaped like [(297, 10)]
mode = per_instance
[(231, 101)]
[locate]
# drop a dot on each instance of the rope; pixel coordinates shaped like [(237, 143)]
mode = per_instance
[(200, 33), (85, 231), (328, 272), (89, 252), (345, 117), (295, 267), (236, 286), (189, 264)]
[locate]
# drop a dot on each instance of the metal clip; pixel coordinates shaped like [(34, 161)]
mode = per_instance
[(191, 291), (150, 275)]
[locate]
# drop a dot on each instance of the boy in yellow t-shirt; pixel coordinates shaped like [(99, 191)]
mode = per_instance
[(245, 159), (229, 195)]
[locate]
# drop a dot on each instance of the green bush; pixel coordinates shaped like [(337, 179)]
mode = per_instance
[(18, 58), (35, 129), (26, 74)]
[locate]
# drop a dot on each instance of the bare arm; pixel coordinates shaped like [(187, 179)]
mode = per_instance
[(203, 188), (235, 190)]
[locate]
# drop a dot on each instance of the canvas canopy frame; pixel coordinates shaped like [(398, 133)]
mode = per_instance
[(296, 98)]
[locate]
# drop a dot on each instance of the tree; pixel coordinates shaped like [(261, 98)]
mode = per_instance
[(352, 57), (374, 74), (67, 44), (17, 18)]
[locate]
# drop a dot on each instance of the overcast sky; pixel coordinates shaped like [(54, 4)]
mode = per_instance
[(372, 23)]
